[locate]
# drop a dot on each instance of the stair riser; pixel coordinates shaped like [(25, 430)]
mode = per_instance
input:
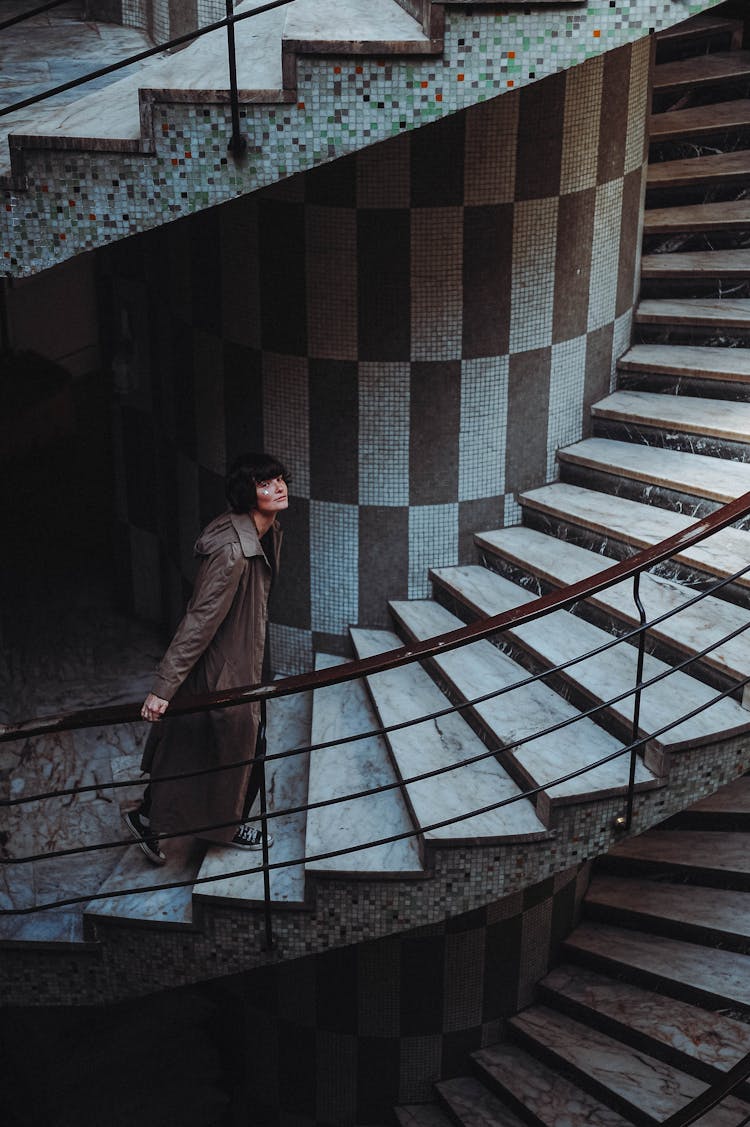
[(609, 545), (674, 929), (708, 820), (619, 484), (607, 620), (633, 1037), (707, 288), (493, 1085), (654, 870), (645, 332), (680, 143), (672, 439), (733, 391), (713, 90), (676, 195), (581, 1079)]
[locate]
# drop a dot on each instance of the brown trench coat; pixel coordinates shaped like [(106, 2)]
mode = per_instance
[(218, 644)]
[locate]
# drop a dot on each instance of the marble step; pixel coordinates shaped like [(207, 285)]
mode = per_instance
[(421, 1115), (627, 1079), (693, 1039), (173, 906), (637, 526), (705, 25), (732, 263), (718, 916), (289, 720), (706, 171), (409, 692), (688, 361), (561, 636), (696, 475), (690, 971), (548, 1098), (471, 1104), (560, 563), (700, 121), (716, 314), (703, 854), (695, 219), (689, 414), (481, 668), (702, 70), (342, 710)]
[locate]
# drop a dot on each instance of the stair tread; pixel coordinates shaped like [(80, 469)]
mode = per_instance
[(408, 692), (718, 910), (473, 1105), (697, 474), (727, 313), (688, 360), (694, 1033), (699, 120), (341, 710), (357, 21), (561, 563), (702, 24), (718, 850), (720, 418), (421, 1115), (698, 70), (480, 668), (638, 525), (286, 785), (734, 798), (704, 971), (691, 218), (548, 1095), (165, 906), (716, 167), (641, 1082), (560, 636), (731, 262)]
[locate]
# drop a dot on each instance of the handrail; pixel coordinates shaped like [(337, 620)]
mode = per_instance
[(393, 659), (22, 17), (139, 56)]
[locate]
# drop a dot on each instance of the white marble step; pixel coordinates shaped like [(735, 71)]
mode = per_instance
[(471, 1104), (729, 215), (719, 418), (733, 262), (629, 1077), (165, 906), (704, 361), (692, 172), (421, 1115), (720, 913), (549, 1097), (687, 970), (358, 27), (560, 636), (640, 526), (342, 710), (711, 312), (407, 693), (691, 1035), (719, 852), (561, 563), (696, 474), (481, 668), (286, 780)]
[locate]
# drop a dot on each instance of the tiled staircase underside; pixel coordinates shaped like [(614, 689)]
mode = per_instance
[(650, 1002), (318, 79)]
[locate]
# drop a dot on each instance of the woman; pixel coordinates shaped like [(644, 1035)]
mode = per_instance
[(219, 644)]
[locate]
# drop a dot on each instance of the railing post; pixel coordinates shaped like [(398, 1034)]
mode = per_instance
[(260, 751), (237, 143), (637, 697)]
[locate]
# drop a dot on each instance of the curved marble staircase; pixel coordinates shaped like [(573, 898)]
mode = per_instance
[(650, 1002), (646, 472)]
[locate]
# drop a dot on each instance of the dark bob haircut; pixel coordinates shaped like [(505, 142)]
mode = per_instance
[(247, 471)]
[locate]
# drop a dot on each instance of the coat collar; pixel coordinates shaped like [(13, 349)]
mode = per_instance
[(248, 534)]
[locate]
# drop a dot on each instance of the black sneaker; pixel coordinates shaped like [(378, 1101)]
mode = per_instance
[(143, 834), (248, 837)]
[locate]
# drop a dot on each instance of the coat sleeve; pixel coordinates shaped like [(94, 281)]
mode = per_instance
[(215, 587)]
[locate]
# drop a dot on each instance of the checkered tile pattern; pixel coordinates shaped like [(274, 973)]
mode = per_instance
[(415, 329)]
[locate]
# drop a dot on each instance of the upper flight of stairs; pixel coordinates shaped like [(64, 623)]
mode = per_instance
[(650, 1001)]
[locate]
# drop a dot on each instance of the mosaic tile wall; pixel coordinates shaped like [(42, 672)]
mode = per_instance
[(161, 19), (415, 329), (70, 200)]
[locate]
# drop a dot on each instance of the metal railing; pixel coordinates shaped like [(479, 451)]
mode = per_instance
[(237, 143)]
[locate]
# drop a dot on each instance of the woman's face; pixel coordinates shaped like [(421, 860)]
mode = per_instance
[(272, 495)]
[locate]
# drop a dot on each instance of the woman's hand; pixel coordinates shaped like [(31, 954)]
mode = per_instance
[(153, 707)]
